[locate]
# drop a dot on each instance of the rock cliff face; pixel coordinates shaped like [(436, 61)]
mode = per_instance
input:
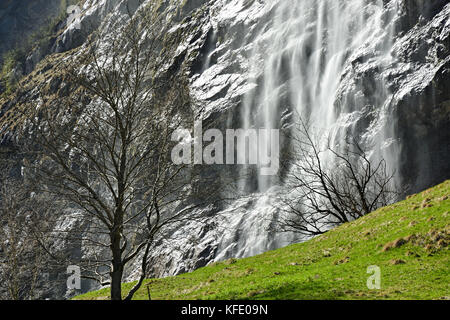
[(375, 70), (19, 19)]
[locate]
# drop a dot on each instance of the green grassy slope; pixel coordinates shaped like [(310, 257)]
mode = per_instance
[(407, 240)]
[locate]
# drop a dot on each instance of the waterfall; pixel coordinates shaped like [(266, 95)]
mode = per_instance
[(305, 52), (300, 64)]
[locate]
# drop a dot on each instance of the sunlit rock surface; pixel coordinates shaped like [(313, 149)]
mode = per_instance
[(375, 70)]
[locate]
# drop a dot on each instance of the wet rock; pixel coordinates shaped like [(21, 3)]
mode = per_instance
[(223, 48)]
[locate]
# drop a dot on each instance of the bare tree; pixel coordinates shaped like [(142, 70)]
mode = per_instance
[(324, 195), (22, 260), (106, 151)]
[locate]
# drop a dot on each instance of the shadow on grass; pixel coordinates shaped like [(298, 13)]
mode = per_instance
[(311, 290)]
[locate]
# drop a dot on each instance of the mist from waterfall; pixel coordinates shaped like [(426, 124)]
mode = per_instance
[(298, 66), (305, 51)]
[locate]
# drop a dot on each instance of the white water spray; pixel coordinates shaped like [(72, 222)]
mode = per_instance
[(299, 64), (305, 53)]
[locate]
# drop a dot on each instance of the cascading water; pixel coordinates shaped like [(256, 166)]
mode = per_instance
[(259, 63), (306, 51), (298, 67)]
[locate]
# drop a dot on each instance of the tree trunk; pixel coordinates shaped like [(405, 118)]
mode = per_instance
[(116, 282), (117, 266)]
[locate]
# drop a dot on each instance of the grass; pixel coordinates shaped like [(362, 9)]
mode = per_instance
[(407, 240)]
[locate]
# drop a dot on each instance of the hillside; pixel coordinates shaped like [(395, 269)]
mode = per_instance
[(408, 241), (374, 72)]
